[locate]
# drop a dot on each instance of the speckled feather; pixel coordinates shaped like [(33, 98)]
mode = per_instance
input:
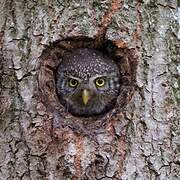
[(86, 65)]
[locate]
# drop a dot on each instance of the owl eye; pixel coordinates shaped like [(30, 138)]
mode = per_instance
[(100, 82), (73, 83)]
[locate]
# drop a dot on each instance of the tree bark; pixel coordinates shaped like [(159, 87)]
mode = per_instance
[(140, 142)]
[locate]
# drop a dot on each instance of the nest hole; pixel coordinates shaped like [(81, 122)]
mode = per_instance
[(53, 56)]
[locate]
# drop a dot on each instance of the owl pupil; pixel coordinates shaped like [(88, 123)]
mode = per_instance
[(73, 83), (100, 81)]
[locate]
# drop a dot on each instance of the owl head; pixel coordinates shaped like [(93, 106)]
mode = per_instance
[(87, 82)]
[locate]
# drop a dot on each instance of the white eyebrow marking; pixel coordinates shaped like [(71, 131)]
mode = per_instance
[(76, 78)]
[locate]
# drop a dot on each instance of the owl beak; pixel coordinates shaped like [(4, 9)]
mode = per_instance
[(85, 96)]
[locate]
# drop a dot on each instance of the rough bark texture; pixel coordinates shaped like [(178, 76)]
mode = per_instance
[(140, 142)]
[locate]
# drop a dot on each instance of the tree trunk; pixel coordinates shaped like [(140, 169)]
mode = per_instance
[(141, 141)]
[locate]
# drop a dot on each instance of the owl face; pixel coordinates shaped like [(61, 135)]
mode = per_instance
[(87, 82)]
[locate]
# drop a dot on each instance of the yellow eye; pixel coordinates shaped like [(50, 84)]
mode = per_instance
[(100, 82), (73, 82)]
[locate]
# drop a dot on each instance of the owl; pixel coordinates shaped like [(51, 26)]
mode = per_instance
[(87, 82)]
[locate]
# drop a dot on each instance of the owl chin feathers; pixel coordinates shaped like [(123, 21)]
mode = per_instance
[(93, 108)]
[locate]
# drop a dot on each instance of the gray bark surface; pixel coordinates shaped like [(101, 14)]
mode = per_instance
[(142, 142)]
